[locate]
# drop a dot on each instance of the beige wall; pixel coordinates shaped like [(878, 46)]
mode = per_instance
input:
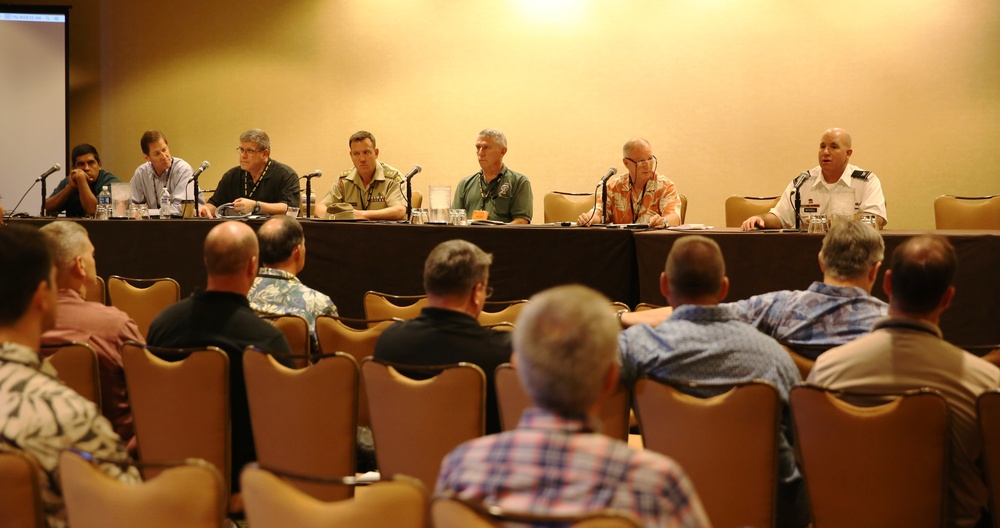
[(733, 94)]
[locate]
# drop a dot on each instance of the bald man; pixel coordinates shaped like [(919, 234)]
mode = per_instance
[(221, 316), (833, 175)]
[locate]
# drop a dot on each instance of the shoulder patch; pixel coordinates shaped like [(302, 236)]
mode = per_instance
[(861, 174), (346, 173)]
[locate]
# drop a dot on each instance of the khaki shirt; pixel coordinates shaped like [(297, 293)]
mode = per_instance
[(385, 190)]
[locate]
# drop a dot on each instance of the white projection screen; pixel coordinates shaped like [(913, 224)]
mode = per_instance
[(33, 101)]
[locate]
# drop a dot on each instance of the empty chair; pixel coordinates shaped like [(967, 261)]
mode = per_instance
[(739, 208), (379, 306), (304, 420), (512, 400), (561, 206), (450, 512), (876, 466), (967, 212), (272, 503), (76, 364), (684, 206), (803, 363), (727, 444), (415, 423), (97, 292), (21, 504), (189, 494), (506, 315), (297, 333), (416, 198), (142, 304), (988, 409)]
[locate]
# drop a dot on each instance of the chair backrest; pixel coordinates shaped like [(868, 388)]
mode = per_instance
[(304, 421), (617, 306), (642, 307), (739, 208), (450, 512), (145, 303), (189, 494), (881, 465), (506, 315), (727, 444), (21, 503), (97, 292), (180, 408), (512, 400), (297, 333), (967, 212), (988, 410), (335, 336), (415, 423), (76, 364), (684, 207), (417, 199), (384, 306), (804, 364), (560, 206), (273, 503)]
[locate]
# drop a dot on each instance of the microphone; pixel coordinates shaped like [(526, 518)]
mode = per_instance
[(611, 172), (314, 174), (204, 166), (413, 172), (46, 174), (800, 179)]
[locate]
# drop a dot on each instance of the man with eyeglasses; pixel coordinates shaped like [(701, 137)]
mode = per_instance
[(259, 185), (456, 279), (495, 192), (77, 192), (640, 197)]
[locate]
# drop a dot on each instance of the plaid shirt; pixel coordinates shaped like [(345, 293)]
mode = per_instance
[(557, 465)]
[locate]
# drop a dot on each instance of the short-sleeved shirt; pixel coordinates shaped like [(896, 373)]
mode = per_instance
[(823, 315), (385, 190), (147, 185), (505, 198), (554, 464), (278, 184), (278, 292), (659, 196), (865, 185), (73, 206)]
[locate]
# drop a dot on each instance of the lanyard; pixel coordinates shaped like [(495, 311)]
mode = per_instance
[(487, 193), (635, 206), (247, 191), (371, 189)]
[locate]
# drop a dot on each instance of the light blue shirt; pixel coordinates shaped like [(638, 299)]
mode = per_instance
[(147, 185)]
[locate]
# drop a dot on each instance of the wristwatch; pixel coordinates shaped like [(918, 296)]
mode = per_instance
[(619, 315), (256, 207)]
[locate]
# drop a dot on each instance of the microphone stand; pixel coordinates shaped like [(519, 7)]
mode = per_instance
[(309, 178), (798, 203), (197, 213), (43, 211), (409, 200), (604, 201)]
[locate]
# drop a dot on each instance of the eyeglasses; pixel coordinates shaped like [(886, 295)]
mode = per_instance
[(489, 292), (650, 162), (243, 151)]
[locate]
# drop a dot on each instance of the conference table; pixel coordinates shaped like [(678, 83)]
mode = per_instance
[(347, 258)]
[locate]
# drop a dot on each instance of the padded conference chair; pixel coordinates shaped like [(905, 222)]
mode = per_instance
[(416, 423), (508, 314), (727, 444), (684, 207), (417, 199), (142, 304), (988, 409), (561, 206), (512, 400), (304, 421), (379, 306), (642, 307), (874, 466), (451, 512), (98, 292), (803, 363), (21, 503), (297, 333), (76, 364), (739, 208), (273, 503), (189, 494), (967, 212)]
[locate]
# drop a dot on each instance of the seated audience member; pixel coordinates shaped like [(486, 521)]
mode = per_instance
[(497, 192), (373, 188), (832, 175), (259, 184), (105, 328), (456, 279), (906, 351), (277, 290), (705, 343), (42, 416), (828, 313), (77, 193), (220, 315), (640, 197), (556, 462), (162, 170)]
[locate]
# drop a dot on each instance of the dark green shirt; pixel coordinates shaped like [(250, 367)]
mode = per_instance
[(73, 206), (505, 198)]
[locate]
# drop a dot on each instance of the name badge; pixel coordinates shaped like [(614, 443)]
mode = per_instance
[(480, 214)]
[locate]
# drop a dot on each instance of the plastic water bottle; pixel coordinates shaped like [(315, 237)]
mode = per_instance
[(165, 204), (104, 204)]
